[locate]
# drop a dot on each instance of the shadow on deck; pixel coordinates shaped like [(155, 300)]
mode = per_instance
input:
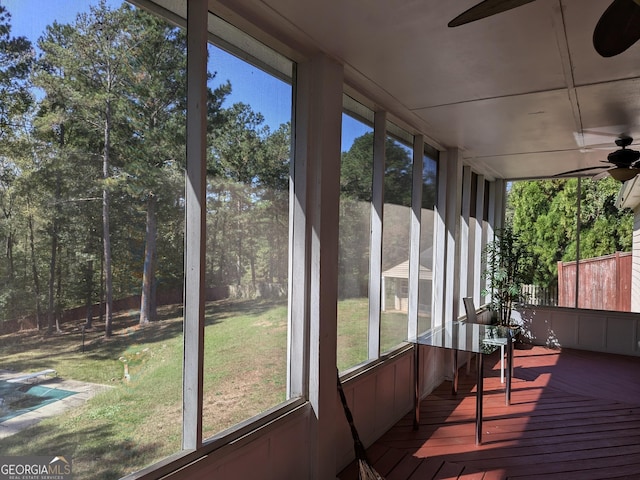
[(573, 415)]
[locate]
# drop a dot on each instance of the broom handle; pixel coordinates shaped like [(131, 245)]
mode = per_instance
[(358, 446)]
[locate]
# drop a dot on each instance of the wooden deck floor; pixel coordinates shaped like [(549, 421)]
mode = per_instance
[(573, 415)]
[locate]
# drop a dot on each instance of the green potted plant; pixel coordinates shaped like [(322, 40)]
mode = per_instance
[(507, 264)]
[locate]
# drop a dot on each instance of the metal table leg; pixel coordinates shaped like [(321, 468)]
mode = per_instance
[(416, 384), (454, 384), (507, 389), (480, 388)]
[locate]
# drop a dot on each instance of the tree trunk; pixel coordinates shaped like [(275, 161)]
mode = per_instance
[(148, 305), (11, 270), (89, 284), (101, 309), (58, 302), (252, 263), (10, 274), (106, 235), (34, 272), (52, 277), (239, 243), (54, 250)]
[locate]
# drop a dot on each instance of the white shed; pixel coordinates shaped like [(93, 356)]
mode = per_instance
[(399, 274)]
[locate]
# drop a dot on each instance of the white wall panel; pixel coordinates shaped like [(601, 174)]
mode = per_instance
[(599, 331), (635, 269)]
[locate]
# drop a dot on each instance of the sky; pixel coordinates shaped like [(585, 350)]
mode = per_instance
[(29, 18)]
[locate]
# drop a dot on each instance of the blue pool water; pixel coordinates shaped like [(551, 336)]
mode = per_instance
[(19, 398)]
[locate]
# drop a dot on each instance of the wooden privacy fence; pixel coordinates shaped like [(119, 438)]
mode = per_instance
[(129, 303), (168, 297), (537, 295), (604, 283)]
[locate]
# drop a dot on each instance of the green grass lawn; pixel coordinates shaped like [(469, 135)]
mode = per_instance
[(353, 328), (138, 422)]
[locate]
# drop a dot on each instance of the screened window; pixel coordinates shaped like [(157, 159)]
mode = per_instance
[(427, 223), (95, 203), (577, 242), (248, 165), (398, 179), (354, 240), (247, 247), (94, 199)]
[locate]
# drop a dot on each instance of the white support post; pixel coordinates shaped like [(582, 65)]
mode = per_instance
[(491, 222), (493, 209), (298, 324), (375, 258), (466, 246), (454, 200), (195, 229), (414, 252), (439, 246), (478, 277), (501, 202), (318, 131)]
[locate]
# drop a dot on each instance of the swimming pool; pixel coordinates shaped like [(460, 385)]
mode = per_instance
[(19, 398)]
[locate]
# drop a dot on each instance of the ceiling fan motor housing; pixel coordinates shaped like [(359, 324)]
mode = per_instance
[(623, 157), (624, 141)]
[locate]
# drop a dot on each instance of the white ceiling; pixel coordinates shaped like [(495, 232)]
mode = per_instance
[(523, 93)]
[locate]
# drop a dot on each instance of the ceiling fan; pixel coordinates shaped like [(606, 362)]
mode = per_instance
[(617, 29), (624, 163)]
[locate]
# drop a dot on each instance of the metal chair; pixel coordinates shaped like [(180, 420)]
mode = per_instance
[(472, 317)]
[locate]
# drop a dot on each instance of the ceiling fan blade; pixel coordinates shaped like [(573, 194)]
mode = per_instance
[(622, 174), (486, 9), (618, 28), (586, 169)]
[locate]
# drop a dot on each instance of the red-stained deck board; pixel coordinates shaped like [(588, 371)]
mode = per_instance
[(405, 468), (573, 415)]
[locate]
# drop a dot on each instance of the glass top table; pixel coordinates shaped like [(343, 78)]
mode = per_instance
[(463, 336), (466, 337)]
